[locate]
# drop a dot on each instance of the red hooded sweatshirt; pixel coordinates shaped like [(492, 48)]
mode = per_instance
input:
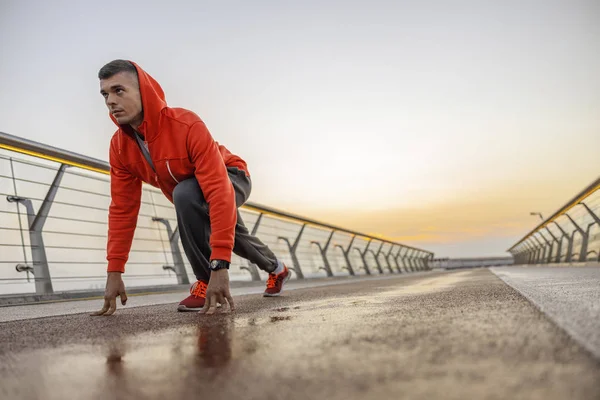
[(180, 147)]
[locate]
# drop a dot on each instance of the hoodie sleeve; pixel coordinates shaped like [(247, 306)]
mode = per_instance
[(126, 192), (211, 173)]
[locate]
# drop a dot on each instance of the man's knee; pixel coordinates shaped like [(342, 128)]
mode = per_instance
[(186, 194)]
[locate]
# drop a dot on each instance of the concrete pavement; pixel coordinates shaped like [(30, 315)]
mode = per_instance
[(453, 335), (569, 295), (53, 308)]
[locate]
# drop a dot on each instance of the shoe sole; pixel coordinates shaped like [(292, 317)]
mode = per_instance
[(184, 308), (281, 291)]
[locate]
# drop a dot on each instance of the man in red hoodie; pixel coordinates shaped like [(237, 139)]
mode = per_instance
[(171, 149)]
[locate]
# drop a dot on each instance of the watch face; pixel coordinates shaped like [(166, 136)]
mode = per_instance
[(218, 264)]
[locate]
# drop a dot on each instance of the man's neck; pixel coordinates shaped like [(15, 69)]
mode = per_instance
[(135, 125)]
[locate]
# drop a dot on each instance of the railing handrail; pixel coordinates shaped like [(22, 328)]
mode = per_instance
[(591, 188), (44, 151)]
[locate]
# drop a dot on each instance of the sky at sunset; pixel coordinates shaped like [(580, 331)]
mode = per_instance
[(440, 124)]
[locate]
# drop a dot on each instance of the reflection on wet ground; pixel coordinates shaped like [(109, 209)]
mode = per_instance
[(446, 336)]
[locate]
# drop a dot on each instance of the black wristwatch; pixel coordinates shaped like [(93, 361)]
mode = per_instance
[(216, 265)]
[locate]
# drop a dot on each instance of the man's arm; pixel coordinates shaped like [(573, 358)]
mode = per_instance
[(126, 193), (211, 173)]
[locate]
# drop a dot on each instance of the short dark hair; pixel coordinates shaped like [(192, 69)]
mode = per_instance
[(116, 66)]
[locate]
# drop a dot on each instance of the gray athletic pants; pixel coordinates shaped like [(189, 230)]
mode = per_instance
[(194, 226)]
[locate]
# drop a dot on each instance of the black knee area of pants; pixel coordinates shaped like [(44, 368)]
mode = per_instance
[(187, 196)]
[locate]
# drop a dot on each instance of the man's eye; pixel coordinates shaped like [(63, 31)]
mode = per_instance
[(119, 91)]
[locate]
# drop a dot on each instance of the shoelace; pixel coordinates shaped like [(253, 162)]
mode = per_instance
[(199, 289), (273, 280)]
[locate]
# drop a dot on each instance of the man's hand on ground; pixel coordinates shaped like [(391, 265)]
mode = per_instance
[(114, 287), (217, 292)]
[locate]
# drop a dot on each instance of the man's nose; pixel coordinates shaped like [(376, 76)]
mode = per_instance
[(110, 100)]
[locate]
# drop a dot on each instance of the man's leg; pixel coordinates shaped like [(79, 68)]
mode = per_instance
[(194, 230), (251, 247)]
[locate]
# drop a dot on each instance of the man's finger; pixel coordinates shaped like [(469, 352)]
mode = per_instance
[(123, 298), (213, 305), (221, 299), (206, 304), (113, 306), (230, 301), (103, 310)]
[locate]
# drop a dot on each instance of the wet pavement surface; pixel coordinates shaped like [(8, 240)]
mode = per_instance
[(52, 308), (457, 335)]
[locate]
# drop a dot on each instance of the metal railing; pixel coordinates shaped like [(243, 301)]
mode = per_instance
[(54, 226), (470, 262), (571, 234)]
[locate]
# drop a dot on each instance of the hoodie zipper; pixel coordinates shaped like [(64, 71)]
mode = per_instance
[(172, 176), (151, 167)]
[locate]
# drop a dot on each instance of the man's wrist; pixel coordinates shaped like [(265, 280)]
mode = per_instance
[(217, 265)]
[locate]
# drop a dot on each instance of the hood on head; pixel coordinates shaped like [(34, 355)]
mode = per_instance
[(153, 101)]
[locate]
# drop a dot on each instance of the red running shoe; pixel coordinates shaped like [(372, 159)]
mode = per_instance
[(275, 283), (195, 301)]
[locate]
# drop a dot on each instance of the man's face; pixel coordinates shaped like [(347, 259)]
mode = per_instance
[(122, 97)]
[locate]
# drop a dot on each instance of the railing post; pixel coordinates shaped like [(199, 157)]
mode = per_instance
[(569, 242), (595, 218), (422, 260), (527, 254), (409, 259), (426, 261), (401, 256), (550, 245), (293, 248), (363, 256), (429, 259), (540, 258), (419, 261), (587, 243), (346, 253), (413, 260), (540, 254), (387, 258), (423, 264), (559, 242), (534, 254), (530, 251), (584, 239), (376, 256), (40, 270), (589, 210), (535, 251), (323, 251), (179, 269), (395, 258)]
